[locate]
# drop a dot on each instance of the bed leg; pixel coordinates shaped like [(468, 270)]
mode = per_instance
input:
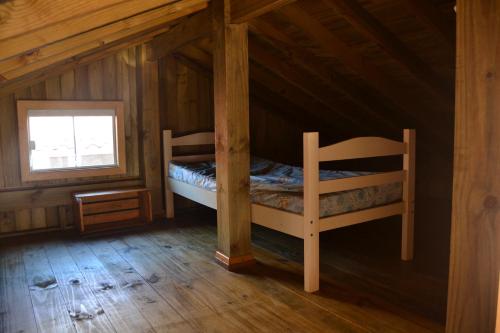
[(311, 212), (311, 262), (169, 204), (408, 196), (167, 157), (407, 237)]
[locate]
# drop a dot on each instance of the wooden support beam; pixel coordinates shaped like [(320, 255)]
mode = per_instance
[(427, 13), (95, 39), (475, 232), (187, 31), (245, 10), (232, 133), (363, 21)]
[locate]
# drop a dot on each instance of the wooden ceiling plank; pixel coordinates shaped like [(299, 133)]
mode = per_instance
[(307, 60), (65, 29), (367, 24), (337, 49), (94, 39), (300, 79), (10, 86), (187, 31), (428, 14), (21, 16), (201, 56), (245, 10)]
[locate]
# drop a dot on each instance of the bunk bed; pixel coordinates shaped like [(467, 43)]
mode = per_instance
[(303, 202)]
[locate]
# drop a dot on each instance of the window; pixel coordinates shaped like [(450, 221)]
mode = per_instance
[(66, 139)]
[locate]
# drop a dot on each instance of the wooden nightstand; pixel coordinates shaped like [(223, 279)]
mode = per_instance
[(112, 210)]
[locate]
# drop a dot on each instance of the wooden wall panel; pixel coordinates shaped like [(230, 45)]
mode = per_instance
[(31, 206), (186, 104)]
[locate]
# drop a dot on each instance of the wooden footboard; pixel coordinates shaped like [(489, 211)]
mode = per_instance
[(364, 147)]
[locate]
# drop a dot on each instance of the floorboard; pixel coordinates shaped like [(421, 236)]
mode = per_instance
[(165, 279)]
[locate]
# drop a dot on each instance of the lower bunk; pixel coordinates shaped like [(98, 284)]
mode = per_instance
[(302, 202)]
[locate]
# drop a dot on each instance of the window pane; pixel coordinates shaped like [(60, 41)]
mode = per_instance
[(95, 144), (52, 143)]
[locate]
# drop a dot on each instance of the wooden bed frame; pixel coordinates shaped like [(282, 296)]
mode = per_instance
[(309, 225)]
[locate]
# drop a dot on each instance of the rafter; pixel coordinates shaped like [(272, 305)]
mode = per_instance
[(363, 21), (245, 10), (187, 31)]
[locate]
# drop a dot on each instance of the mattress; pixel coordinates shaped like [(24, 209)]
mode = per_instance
[(281, 186)]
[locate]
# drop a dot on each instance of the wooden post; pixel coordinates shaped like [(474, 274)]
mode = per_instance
[(311, 212), (408, 196), (475, 232), (231, 82)]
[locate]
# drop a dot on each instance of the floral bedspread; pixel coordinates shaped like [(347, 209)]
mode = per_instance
[(281, 186)]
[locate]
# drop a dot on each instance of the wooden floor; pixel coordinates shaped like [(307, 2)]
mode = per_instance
[(165, 280)]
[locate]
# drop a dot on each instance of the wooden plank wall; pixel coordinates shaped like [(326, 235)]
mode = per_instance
[(186, 104), (29, 206)]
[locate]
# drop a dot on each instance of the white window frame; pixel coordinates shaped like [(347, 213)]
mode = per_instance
[(70, 108)]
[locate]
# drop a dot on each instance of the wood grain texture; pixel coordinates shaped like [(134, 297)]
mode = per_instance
[(166, 280), (475, 242), (151, 141), (351, 59), (311, 212), (409, 163), (367, 24), (244, 10), (95, 39), (231, 100), (58, 30), (187, 31), (34, 205)]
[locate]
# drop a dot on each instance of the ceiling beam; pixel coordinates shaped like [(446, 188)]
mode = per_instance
[(245, 10), (367, 24), (187, 31), (95, 39)]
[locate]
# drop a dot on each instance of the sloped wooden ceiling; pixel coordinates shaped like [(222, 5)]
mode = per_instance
[(355, 65), (39, 37), (365, 65)]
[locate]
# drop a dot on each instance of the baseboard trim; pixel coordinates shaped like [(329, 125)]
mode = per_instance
[(234, 263)]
